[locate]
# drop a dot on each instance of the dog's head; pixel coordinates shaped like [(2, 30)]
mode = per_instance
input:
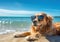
[(41, 20)]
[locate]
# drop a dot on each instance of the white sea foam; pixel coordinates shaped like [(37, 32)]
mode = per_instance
[(7, 31), (0, 21)]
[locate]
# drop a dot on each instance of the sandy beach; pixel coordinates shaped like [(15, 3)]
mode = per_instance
[(10, 38)]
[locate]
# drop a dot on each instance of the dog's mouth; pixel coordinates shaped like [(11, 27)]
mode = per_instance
[(36, 24)]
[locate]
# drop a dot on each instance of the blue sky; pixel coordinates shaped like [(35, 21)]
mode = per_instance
[(29, 7)]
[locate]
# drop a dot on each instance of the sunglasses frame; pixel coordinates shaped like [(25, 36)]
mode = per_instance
[(39, 17), (33, 17)]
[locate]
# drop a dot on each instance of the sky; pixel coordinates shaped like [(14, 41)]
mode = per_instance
[(29, 7)]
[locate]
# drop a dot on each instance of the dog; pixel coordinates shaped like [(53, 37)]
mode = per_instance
[(41, 25)]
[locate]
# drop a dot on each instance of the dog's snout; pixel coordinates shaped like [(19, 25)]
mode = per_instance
[(34, 21)]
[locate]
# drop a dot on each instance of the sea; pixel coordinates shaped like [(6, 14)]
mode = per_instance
[(13, 24)]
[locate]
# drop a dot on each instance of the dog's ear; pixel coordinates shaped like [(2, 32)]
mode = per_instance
[(49, 20)]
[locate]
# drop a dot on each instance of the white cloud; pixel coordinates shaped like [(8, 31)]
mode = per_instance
[(4, 12), (17, 11)]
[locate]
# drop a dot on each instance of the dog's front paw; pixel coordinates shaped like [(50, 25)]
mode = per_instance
[(18, 36), (28, 38), (37, 36), (33, 37)]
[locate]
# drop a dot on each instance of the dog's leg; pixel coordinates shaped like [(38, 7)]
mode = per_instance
[(57, 28), (34, 35), (22, 35), (33, 30)]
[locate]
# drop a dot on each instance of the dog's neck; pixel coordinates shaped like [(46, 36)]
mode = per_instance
[(44, 29)]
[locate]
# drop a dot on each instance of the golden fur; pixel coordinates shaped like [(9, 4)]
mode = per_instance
[(45, 27)]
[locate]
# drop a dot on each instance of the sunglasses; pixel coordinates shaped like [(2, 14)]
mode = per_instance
[(41, 17)]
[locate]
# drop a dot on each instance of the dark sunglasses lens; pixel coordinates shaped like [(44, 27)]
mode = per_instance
[(40, 17), (33, 17)]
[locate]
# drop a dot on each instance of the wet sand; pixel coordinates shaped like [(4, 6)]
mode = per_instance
[(9, 37)]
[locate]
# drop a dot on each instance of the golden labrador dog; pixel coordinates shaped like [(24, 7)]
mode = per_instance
[(41, 25)]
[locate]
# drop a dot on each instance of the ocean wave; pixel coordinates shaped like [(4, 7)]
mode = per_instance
[(7, 31)]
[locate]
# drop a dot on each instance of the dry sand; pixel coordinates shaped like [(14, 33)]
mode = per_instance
[(10, 38)]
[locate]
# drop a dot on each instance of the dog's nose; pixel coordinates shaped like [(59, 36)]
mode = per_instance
[(35, 23)]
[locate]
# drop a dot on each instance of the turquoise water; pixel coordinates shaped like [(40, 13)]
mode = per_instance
[(56, 19), (11, 24)]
